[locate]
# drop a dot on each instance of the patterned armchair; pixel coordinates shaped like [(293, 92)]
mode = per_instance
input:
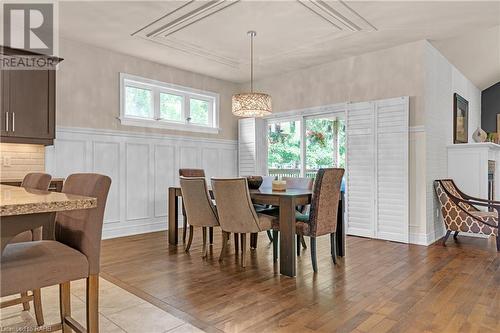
[(460, 211)]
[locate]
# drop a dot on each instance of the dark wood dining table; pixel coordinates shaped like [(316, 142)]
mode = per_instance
[(287, 201)]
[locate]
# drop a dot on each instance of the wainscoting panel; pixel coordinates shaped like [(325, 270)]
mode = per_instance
[(141, 166)]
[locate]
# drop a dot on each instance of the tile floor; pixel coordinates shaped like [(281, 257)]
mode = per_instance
[(119, 311)]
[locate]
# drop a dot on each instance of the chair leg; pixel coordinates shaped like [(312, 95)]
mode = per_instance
[(298, 245), (303, 241), (37, 304), (498, 243), (253, 240), (65, 305), (225, 239), (204, 248), (455, 235), (93, 303), (211, 235), (269, 235), (333, 248), (184, 229), (275, 245), (448, 232), (313, 254), (26, 305), (236, 243), (243, 250), (190, 240)]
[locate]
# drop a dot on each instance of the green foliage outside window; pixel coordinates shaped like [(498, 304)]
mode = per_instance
[(198, 111), (138, 102), (171, 107)]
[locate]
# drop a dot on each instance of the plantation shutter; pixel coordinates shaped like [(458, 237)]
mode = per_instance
[(252, 147), (377, 169), (392, 120), (360, 126)]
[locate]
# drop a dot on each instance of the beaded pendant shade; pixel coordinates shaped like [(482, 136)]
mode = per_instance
[(252, 104)]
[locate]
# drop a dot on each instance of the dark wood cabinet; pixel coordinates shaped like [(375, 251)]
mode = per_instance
[(28, 106)]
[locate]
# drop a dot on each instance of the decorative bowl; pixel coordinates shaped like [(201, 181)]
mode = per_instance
[(254, 182)]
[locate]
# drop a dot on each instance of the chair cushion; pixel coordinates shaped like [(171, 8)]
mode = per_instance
[(26, 236), (265, 221), (301, 217), (37, 264)]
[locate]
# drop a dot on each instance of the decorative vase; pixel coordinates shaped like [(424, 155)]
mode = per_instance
[(479, 135), (254, 182)]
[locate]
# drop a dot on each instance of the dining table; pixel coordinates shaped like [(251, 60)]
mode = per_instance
[(23, 209), (287, 201)]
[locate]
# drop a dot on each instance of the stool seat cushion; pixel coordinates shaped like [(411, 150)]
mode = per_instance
[(38, 264)]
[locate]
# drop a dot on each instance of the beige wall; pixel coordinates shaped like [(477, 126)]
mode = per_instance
[(393, 72), (22, 158), (88, 89)]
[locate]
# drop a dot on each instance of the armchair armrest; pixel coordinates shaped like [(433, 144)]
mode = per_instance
[(481, 204)]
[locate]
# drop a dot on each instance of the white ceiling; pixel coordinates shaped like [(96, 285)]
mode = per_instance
[(210, 37)]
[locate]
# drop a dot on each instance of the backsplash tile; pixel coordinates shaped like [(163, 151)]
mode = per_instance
[(23, 159)]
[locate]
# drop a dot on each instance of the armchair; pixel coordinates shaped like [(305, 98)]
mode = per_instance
[(460, 212)]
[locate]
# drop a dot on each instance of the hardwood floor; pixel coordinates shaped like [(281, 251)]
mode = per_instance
[(378, 287)]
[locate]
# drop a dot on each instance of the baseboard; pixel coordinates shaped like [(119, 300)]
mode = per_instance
[(420, 238)]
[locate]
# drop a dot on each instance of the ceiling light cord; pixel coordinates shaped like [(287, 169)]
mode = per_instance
[(252, 35)]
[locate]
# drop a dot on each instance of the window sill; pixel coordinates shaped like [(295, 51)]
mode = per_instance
[(170, 126)]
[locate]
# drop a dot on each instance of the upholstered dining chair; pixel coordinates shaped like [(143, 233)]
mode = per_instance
[(192, 173), (73, 255), (322, 217), (38, 181), (461, 214), (236, 212), (303, 183), (199, 207)]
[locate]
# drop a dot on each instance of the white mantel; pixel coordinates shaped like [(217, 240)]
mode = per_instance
[(468, 166)]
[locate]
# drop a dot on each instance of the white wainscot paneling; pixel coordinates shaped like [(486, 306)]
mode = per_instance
[(137, 181), (141, 166), (164, 177), (106, 160)]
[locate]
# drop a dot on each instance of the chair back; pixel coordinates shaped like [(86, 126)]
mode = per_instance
[(82, 229), (234, 205), (37, 180), (191, 172), (325, 201), (299, 183), (200, 209), (452, 188)]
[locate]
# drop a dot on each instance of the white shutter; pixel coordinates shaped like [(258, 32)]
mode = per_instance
[(377, 169), (392, 120), (252, 147), (360, 124)]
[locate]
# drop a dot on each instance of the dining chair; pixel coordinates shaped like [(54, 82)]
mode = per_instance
[(187, 172), (38, 181), (322, 217), (73, 255), (199, 207), (303, 183), (461, 214), (236, 212)]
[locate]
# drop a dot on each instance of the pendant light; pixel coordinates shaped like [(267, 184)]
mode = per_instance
[(252, 104)]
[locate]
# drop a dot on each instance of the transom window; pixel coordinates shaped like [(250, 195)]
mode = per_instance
[(150, 103)]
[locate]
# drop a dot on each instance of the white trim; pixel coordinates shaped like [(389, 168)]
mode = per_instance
[(139, 135), (417, 129), (317, 110)]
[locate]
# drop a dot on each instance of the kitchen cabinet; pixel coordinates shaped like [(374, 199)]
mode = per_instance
[(28, 106)]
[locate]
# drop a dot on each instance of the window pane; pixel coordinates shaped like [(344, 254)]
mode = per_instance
[(284, 149), (198, 111), (138, 102), (171, 107)]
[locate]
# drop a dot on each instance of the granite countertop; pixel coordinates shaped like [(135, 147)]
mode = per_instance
[(16, 200)]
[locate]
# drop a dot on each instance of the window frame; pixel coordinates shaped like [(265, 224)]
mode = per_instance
[(158, 87)]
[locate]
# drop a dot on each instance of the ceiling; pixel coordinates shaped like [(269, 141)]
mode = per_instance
[(210, 37)]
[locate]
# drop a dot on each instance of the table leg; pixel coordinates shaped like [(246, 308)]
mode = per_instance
[(340, 233), (173, 217), (287, 236)]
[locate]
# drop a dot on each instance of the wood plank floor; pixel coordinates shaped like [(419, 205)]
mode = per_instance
[(378, 287)]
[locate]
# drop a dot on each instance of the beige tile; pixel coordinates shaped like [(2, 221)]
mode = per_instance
[(112, 298), (186, 328), (145, 318)]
